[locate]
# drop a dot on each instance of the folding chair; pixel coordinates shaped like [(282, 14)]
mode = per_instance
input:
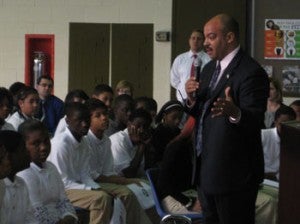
[(152, 175)]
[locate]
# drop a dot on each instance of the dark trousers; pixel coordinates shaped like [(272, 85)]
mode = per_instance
[(232, 208)]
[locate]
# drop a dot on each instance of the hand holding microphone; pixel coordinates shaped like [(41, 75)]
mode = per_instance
[(197, 66)]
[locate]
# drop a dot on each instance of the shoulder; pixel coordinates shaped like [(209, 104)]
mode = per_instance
[(61, 141), (55, 100), (119, 140), (118, 136), (27, 174), (182, 56), (8, 126)]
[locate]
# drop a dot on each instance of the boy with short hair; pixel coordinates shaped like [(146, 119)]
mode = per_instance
[(271, 141), (102, 166), (128, 146), (122, 109), (46, 190), (72, 160), (77, 95), (15, 206), (104, 93)]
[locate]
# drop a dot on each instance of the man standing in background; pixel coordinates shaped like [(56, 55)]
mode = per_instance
[(182, 68)]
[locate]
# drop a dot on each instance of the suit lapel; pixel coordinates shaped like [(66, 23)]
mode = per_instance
[(227, 74)]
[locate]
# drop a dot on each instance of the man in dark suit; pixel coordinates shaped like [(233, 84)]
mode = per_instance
[(229, 107)]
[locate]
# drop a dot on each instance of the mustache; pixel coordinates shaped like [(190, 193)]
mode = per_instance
[(206, 48)]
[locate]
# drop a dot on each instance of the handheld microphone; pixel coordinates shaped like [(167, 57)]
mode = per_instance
[(197, 66)]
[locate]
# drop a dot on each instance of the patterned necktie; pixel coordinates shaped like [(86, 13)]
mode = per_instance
[(212, 86), (193, 66), (41, 112)]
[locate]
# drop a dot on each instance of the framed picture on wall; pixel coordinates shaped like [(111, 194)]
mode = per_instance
[(268, 69), (291, 81)]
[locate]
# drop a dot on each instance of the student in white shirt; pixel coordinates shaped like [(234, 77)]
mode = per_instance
[(102, 166), (15, 206), (28, 102), (77, 95), (70, 157), (271, 141), (46, 190), (129, 146)]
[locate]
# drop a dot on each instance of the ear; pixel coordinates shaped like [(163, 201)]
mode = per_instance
[(230, 37), (20, 103), (67, 120), (163, 117)]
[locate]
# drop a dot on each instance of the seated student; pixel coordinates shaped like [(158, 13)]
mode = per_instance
[(174, 184), (123, 106), (271, 141), (76, 95), (124, 87), (102, 166), (15, 206), (6, 105), (28, 101), (128, 146), (146, 103), (72, 161), (296, 107), (104, 93), (46, 189), (167, 121), (14, 89)]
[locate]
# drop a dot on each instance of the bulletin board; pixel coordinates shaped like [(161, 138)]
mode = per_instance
[(282, 39)]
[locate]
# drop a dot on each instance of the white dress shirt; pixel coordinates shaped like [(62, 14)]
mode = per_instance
[(16, 206), (72, 161), (101, 159), (123, 152), (61, 127), (7, 126), (181, 71), (15, 120), (47, 193), (271, 146)]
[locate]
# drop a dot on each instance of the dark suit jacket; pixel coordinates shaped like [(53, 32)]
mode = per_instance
[(232, 156)]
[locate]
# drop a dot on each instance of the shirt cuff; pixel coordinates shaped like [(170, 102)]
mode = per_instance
[(189, 104), (236, 120)]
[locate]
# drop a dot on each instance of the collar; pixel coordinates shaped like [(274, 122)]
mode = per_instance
[(276, 136), (228, 58), (191, 53), (128, 137), (94, 138), (35, 167), (8, 183), (71, 139)]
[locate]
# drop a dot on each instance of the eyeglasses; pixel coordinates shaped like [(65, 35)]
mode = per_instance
[(46, 85)]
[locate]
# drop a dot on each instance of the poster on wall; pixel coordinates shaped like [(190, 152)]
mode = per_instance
[(291, 81), (282, 39)]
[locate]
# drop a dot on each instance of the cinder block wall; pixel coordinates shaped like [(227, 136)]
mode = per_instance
[(20, 17)]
